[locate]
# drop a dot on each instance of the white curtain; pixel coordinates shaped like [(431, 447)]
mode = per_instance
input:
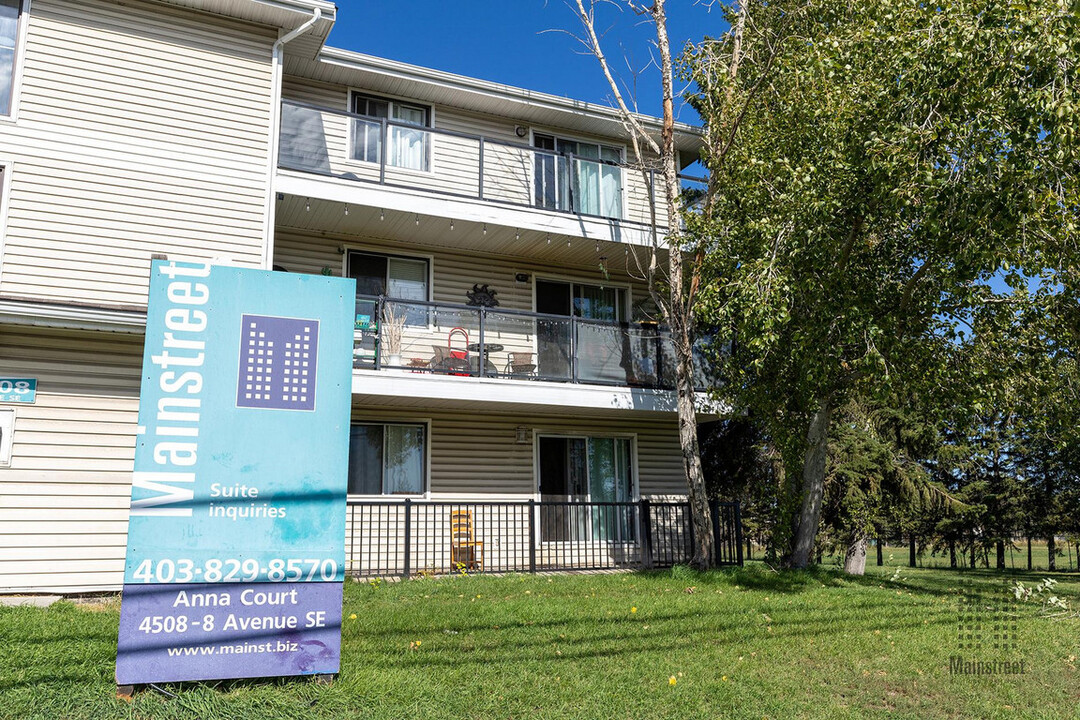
[(408, 147), (611, 183), (404, 459)]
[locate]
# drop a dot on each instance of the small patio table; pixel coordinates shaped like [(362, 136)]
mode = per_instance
[(486, 350)]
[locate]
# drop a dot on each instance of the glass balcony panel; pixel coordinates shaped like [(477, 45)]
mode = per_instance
[(510, 345), (617, 353), (446, 339), (366, 140), (409, 148), (365, 334), (667, 360), (428, 338), (302, 142), (554, 348)]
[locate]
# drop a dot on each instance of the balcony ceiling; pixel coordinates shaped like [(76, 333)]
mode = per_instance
[(328, 218)]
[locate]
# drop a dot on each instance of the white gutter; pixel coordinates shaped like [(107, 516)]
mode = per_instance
[(15, 312), (461, 83), (275, 130)]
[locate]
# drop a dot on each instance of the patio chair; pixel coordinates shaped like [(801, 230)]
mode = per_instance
[(520, 363), (466, 552), (459, 356), (443, 361)]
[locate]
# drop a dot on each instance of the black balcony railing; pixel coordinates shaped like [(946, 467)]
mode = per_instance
[(462, 340), (388, 538), (392, 153)]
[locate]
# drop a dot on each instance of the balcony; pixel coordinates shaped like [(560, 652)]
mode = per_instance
[(408, 336), (590, 194)]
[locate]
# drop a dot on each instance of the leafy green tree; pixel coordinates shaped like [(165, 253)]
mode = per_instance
[(878, 475), (891, 158)]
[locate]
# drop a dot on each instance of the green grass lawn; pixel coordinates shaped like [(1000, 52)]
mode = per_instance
[(744, 643)]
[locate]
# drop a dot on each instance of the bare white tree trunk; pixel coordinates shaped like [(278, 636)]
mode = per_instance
[(855, 557), (677, 307), (680, 315)]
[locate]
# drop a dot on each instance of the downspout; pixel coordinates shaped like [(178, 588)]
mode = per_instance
[(275, 131)]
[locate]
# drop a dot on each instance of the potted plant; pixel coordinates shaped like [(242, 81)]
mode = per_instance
[(393, 326)]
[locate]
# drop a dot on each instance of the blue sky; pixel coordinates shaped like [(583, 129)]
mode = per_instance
[(504, 41)]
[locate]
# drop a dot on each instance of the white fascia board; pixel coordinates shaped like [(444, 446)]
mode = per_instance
[(306, 6), (14, 312), (418, 201), (521, 393), (267, 12)]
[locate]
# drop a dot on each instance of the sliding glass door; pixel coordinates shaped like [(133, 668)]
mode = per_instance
[(577, 176), (554, 336), (600, 347), (586, 470)]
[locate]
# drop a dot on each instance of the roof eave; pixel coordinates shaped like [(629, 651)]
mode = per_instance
[(691, 136)]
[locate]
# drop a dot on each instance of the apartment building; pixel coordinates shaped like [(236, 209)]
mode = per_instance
[(508, 359)]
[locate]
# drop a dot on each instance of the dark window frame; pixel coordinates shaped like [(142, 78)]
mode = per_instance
[(425, 450), (370, 152)]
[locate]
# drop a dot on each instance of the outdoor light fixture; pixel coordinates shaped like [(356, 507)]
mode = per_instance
[(307, 205), (549, 238), (417, 219), (451, 224), (517, 235), (522, 435), (382, 214), (346, 209), (485, 228)]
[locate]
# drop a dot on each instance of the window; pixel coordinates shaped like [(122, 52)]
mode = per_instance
[(10, 12), (7, 432), (586, 469), (406, 147), (387, 459), (401, 278), (589, 184)]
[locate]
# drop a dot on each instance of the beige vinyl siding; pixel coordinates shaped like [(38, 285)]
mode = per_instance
[(142, 129), (64, 499), (476, 455), (454, 161)]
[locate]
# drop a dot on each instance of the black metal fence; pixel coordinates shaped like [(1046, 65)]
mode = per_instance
[(388, 538)]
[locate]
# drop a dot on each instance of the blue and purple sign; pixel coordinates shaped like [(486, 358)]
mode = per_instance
[(235, 556)]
